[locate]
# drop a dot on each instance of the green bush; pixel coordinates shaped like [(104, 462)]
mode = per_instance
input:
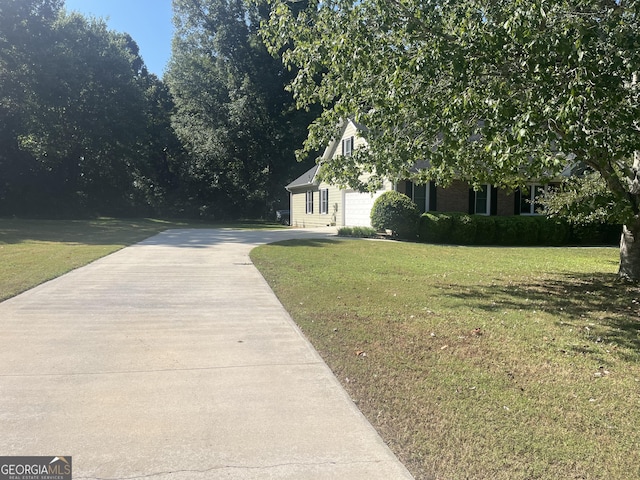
[(506, 231), (485, 230), (435, 227), (552, 231), (518, 230), (359, 232), (463, 229), (527, 228), (595, 234), (425, 228), (611, 234), (396, 212)]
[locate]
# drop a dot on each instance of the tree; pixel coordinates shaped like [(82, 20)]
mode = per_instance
[(489, 92), (75, 131), (159, 174), (25, 27), (89, 117), (233, 115)]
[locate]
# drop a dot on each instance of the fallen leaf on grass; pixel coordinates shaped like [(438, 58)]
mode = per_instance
[(361, 353)]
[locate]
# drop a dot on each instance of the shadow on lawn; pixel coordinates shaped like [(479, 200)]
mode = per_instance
[(606, 309), (310, 242), (88, 232)]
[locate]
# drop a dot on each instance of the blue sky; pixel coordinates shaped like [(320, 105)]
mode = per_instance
[(147, 21)]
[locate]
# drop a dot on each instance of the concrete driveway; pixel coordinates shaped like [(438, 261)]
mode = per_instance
[(173, 359)]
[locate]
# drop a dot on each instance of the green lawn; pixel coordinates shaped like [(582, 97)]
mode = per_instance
[(34, 251), (476, 363)]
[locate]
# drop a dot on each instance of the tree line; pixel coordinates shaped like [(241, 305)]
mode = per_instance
[(85, 129)]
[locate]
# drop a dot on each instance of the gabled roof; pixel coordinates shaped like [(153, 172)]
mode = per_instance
[(337, 141), (307, 179)]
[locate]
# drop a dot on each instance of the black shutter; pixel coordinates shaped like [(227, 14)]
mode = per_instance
[(433, 197), (472, 201), (494, 200), (517, 198)]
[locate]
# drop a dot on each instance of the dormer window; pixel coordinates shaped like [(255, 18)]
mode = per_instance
[(347, 146)]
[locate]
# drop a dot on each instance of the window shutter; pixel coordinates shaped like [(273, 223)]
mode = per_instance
[(347, 146), (433, 197), (494, 200), (517, 198), (472, 201)]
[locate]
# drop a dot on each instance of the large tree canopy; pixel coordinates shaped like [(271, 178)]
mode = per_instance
[(487, 91), (233, 115), (74, 106)]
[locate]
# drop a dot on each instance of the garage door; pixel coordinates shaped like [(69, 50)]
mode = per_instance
[(357, 208)]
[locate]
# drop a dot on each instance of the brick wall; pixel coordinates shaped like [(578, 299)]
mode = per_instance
[(506, 203), (454, 198)]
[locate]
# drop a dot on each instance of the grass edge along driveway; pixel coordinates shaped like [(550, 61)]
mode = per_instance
[(476, 363)]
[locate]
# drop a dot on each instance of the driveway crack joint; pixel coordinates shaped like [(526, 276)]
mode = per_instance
[(232, 467)]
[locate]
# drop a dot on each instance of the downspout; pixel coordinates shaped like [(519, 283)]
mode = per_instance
[(290, 208)]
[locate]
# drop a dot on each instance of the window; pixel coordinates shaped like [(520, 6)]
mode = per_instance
[(528, 199), (324, 201), (347, 146), (309, 202), (482, 204), (419, 194)]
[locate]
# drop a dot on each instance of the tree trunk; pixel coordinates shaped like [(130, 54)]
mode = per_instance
[(630, 251)]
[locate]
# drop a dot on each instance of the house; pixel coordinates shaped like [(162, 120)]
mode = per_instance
[(314, 203)]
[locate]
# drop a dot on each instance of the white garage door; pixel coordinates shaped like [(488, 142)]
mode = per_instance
[(357, 208)]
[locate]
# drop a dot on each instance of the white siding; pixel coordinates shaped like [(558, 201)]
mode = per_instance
[(299, 216), (356, 205), (346, 208)]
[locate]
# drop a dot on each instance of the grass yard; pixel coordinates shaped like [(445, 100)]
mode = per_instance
[(34, 251), (476, 363)]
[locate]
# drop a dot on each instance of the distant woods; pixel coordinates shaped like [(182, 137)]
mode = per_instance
[(86, 130)]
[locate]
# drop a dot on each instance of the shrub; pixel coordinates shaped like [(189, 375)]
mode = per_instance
[(435, 227), (595, 234), (527, 230), (611, 234), (396, 212), (485, 230), (463, 229), (552, 231), (506, 231), (359, 232)]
